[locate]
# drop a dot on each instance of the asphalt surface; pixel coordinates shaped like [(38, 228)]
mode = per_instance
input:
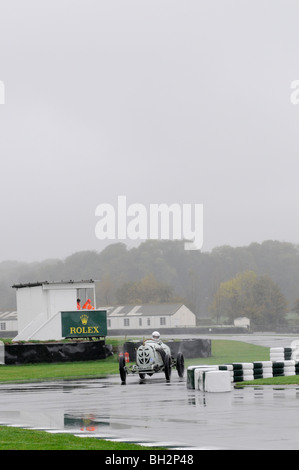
[(160, 413)]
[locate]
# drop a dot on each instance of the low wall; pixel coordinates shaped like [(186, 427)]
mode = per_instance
[(195, 330), (190, 348), (28, 353)]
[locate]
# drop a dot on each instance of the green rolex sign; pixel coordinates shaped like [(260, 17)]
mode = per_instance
[(84, 323)]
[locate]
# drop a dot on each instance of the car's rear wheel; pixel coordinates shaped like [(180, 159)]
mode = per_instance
[(180, 364), (122, 369), (167, 367)]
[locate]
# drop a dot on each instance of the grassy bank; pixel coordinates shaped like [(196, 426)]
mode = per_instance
[(289, 380), (24, 439), (226, 352), (68, 370)]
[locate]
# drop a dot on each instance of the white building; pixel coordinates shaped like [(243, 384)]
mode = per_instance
[(154, 316), (243, 322), (8, 322)]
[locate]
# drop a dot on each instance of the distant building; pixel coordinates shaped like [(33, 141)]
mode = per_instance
[(8, 323), (243, 322), (154, 316)]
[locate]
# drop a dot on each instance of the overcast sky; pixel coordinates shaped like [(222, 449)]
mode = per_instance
[(163, 101)]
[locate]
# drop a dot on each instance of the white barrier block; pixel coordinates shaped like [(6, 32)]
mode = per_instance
[(267, 370), (217, 381), (247, 373), (289, 362), (228, 367), (267, 375), (191, 374), (277, 350), (289, 369), (199, 376), (276, 357), (295, 355), (266, 364), (247, 365), (248, 376)]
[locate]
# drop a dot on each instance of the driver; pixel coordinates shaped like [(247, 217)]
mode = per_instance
[(156, 336)]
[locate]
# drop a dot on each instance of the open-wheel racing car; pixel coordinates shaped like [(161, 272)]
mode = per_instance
[(151, 357)]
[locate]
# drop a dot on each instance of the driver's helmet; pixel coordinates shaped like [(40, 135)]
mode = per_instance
[(156, 335)]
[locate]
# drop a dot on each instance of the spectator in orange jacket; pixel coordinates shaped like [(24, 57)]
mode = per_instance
[(78, 304), (88, 305)]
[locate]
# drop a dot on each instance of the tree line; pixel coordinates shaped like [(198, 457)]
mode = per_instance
[(256, 297), (162, 271)]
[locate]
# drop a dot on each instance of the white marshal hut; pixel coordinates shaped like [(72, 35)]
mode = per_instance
[(39, 307)]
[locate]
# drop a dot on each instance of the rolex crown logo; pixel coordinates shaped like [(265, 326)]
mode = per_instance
[(84, 319)]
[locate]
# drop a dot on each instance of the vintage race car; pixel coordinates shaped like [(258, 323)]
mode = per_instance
[(151, 357)]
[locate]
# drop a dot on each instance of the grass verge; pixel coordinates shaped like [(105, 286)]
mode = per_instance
[(68, 370), (12, 438)]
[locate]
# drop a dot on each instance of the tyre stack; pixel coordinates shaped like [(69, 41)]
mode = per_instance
[(281, 354), (283, 368), (283, 363), (262, 369), (242, 371)]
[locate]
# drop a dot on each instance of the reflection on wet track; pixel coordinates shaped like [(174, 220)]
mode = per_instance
[(156, 412)]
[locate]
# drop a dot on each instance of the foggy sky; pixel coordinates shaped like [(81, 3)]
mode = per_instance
[(163, 101)]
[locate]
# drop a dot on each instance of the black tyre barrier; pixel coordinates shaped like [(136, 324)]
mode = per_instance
[(16, 354), (245, 371), (191, 347)]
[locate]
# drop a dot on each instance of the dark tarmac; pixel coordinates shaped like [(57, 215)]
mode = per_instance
[(156, 412)]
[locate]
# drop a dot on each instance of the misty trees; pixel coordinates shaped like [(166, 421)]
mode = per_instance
[(147, 290), (234, 297), (195, 277), (296, 306), (256, 297)]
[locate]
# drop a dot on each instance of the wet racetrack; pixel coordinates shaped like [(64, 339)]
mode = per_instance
[(156, 412)]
